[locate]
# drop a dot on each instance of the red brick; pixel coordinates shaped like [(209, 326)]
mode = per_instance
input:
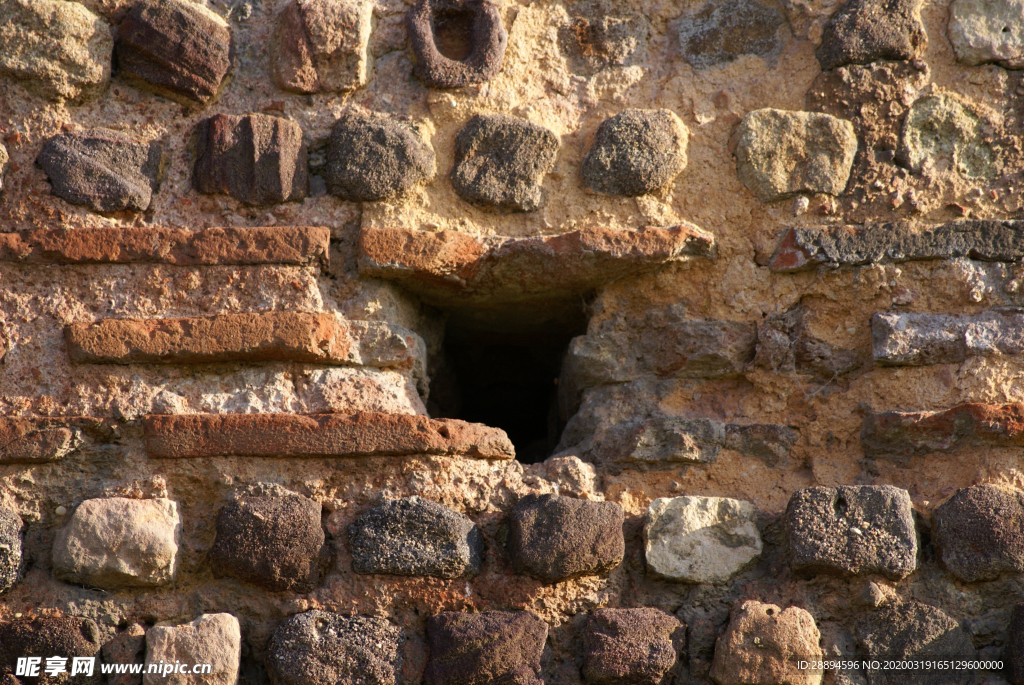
[(904, 434)]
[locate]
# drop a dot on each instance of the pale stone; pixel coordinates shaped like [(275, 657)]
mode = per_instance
[(763, 644), (119, 542), (323, 45), (213, 639), (941, 131), (700, 539), (984, 31)]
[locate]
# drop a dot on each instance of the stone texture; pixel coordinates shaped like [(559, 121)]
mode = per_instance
[(943, 132), (1015, 646), (984, 31), (214, 639), (320, 435), (59, 50), (128, 646), (323, 648), (102, 169), (636, 152), (700, 539), (722, 31), (256, 159), (415, 537), (476, 24), (375, 157), (28, 441), (119, 542), (863, 31), (322, 45), (785, 344), (852, 530), (602, 34), (178, 49), (979, 532), (631, 647), (501, 161), (4, 158), (555, 538), (10, 548), (276, 543), (922, 339), (763, 644), (780, 153), (489, 647), (46, 636)]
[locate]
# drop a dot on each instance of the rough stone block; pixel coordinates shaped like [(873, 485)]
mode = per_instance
[(119, 542), (323, 648), (722, 31), (102, 169), (769, 442), (213, 639), (852, 530), (700, 539), (28, 441), (276, 543), (943, 131), (785, 344), (501, 161), (10, 548), (256, 159), (636, 152), (556, 538), (179, 49), (984, 31), (59, 50), (128, 646), (631, 646), (863, 31), (906, 434), (923, 339), (66, 636), (602, 34), (764, 644), (489, 647), (474, 24), (780, 153), (415, 537), (979, 532)]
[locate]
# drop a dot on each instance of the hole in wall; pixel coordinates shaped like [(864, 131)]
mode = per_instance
[(453, 33)]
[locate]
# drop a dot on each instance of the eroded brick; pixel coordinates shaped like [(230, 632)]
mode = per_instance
[(907, 434), (922, 339), (26, 441)]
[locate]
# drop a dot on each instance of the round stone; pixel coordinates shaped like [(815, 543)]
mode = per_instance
[(636, 152)]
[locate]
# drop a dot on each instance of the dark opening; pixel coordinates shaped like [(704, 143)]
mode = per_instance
[(453, 33)]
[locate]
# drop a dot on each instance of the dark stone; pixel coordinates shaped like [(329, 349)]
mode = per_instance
[(323, 648), (636, 152), (10, 548), (555, 538), (469, 30), (631, 646), (785, 345), (979, 532), (415, 537), (105, 170), (914, 339), (499, 647), (179, 49), (374, 157), (769, 442), (64, 636), (256, 159), (723, 31), (603, 34), (127, 647), (903, 434), (501, 161), (852, 530), (276, 543), (863, 31), (1014, 653)]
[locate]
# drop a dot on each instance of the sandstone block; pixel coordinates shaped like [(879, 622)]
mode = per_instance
[(763, 644), (323, 648), (700, 539), (119, 542), (473, 27), (556, 538), (852, 530), (979, 532), (59, 50), (906, 434), (178, 49), (10, 548), (489, 647), (863, 31), (415, 537), (922, 339), (636, 152), (602, 34), (213, 639), (26, 441), (66, 636), (501, 161), (631, 646), (322, 45), (126, 647), (984, 31), (780, 153), (102, 169), (256, 159), (722, 31), (942, 131)]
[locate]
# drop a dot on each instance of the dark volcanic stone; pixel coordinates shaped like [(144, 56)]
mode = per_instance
[(415, 537), (979, 532), (105, 170), (636, 152), (1014, 653), (274, 542), (631, 646), (852, 530), (500, 162), (10, 548), (373, 158), (721, 32), (602, 33), (323, 648), (473, 25), (494, 647), (256, 159), (44, 637), (555, 538), (864, 31), (179, 49)]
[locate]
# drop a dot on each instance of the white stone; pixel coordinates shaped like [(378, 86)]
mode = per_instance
[(700, 539), (984, 31), (119, 542), (214, 639)]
